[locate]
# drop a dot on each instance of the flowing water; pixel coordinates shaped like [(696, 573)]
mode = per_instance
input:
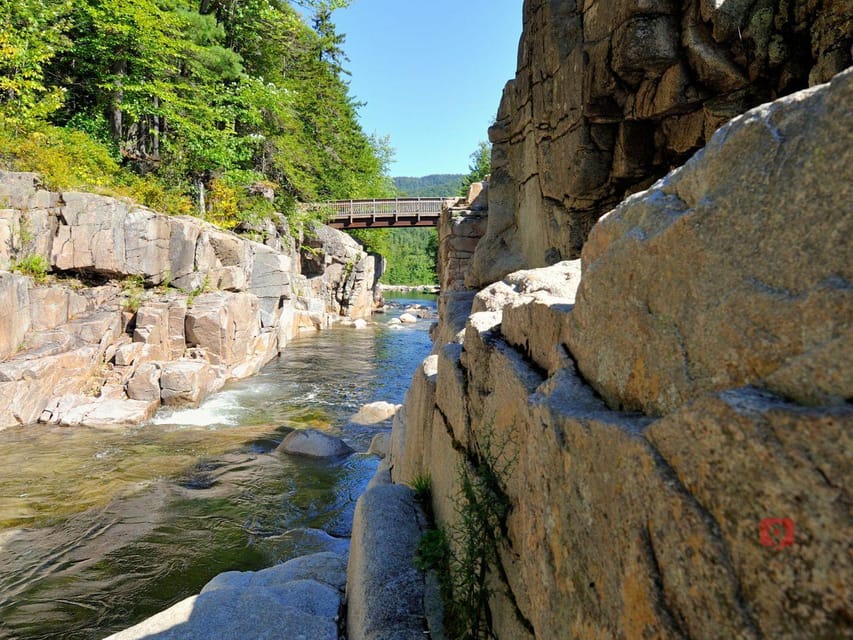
[(102, 528)]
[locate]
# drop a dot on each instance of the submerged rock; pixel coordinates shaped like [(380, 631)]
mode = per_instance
[(314, 444), (375, 412), (303, 540)]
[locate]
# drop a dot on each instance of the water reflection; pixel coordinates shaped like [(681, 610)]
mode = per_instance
[(99, 529)]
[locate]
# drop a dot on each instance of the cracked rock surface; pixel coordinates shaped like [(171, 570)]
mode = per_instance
[(658, 404)]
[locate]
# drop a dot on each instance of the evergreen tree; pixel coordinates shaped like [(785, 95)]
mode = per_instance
[(200, 95), (480, 167)]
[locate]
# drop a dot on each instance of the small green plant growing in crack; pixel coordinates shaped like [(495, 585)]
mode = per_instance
[(204, 287), (134, 288), (422, 484), (461, 555), (25, 231), (33, 265)]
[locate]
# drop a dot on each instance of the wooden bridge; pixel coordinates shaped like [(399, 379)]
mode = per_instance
[(383, 213)]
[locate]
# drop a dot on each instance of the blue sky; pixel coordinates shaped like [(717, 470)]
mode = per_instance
[(431, 73)]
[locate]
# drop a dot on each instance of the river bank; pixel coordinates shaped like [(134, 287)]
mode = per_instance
[(114, 309), (431, 289), (107, 527)]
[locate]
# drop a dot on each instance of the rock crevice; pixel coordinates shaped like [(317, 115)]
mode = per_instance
[(667, 398)]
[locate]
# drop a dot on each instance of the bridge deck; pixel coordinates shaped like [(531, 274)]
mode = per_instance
[(381, 213)]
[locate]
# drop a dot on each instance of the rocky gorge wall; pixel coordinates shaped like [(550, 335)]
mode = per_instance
[(669, 416), (611, 95), (144, 309)]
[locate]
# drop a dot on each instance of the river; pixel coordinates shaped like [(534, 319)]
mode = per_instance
[(102, 528)]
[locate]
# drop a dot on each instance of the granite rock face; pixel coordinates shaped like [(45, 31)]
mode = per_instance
[(215, 305), (611, 95), (345, 276), (668, 417), (15, 315), (739, 264)]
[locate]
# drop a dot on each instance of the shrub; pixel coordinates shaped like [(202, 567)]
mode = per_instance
[(68, 158), (463, 554), (234, 198), (422, 484), (32, 265), (65, 158), (155, 195), (134, 289)]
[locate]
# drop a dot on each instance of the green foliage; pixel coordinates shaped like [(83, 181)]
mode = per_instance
[(463, 554), (433, 554), (235, 197), (432, 186), (33, 265), (134, 289), (480, 167), (33, 32), (169, 100), (412, 254), (204, 287), (422, 484), (155, 194), (64, 157)]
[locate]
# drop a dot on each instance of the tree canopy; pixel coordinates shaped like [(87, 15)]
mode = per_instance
[(480, 167), (435, 185), (194, 97)]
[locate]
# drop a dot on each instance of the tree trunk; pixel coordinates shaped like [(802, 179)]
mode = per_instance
[(116, 126), (155, 141), (202, 209)]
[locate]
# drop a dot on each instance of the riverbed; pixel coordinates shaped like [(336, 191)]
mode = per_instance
[(102, 528)]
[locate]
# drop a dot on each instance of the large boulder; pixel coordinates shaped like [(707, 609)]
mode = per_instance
[(738, 266), (314, 444), (33, 379), (409, 448), (74, 411), (144, 384), (152, 329), (224, 324), (385, 592), (375, 412), (91, 237), (272, 274), (187, 383), (298, 599)]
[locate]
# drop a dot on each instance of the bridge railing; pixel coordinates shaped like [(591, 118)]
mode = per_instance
[(382, 212), (382, 206)]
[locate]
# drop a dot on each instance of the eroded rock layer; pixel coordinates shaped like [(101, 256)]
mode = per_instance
[(611, 95), (669, 417), (154, 309)]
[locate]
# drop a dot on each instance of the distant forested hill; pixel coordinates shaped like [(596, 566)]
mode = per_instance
[(442, 184)]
